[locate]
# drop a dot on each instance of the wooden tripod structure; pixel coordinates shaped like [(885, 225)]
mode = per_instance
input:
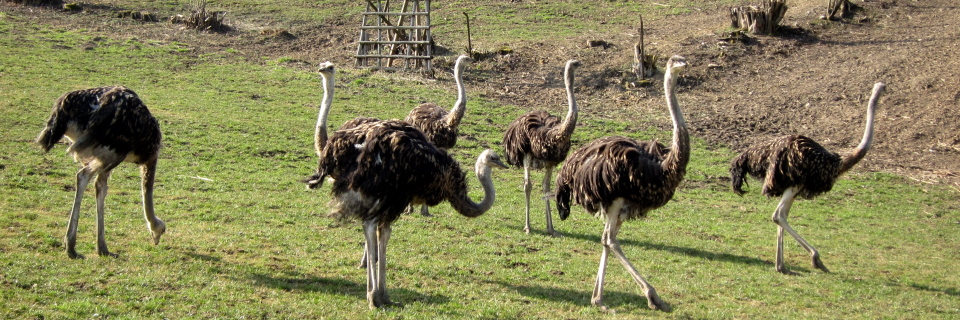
[(400, 44)]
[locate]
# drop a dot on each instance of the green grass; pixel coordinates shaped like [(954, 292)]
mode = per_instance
[(246, 239)]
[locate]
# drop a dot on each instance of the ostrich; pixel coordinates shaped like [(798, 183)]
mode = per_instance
[(537, 140), (792, 166), (383, 167), (108, 126), (327, 72), (437, 124), (623, 179)]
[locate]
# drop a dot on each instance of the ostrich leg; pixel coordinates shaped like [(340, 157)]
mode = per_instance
[(70, 240), (597, 298), (425, 211), (101, 189), (147, 177), (548, 173), (383, 235), (780, 218), (614, 222), (370, 235), (527, 188)]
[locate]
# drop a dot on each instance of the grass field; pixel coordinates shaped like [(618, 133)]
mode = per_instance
[(246, 239)]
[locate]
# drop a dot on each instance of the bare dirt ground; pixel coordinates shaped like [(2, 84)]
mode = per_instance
[(812, 78)]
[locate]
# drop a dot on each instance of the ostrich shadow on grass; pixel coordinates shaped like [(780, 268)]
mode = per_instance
[(297, 282), (696, 253), (948, 291), (611, 298), (293, 281)]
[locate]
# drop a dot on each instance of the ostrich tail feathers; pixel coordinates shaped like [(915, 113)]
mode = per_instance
[(737, 174), (55, 129), (47, 139), (314, 181)]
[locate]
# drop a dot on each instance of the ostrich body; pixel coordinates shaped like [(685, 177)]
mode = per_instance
[(107, 126), (385, 166), (793, 166), (620, 179), (539, 140), (440, 126)]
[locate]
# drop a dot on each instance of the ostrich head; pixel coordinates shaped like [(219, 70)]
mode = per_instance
[(878, 89), (675, 65), (462, 61), (326, 69), (488, 159)]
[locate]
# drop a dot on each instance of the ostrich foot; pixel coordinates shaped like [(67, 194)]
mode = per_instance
[(554, 233), (73, 254), (654, 302), (380, 301), (598, 302), (425, 212), (105, 253), (71, 248), (526, 229), (815, 260), (603, 308), (785, 271)]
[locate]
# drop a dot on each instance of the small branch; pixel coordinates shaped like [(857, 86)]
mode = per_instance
[(469, 42)]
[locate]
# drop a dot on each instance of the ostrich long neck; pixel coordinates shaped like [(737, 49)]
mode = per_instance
[(465, 206), (320, 135), (850, 160), (676, 160), (460, 107), (570, 121)]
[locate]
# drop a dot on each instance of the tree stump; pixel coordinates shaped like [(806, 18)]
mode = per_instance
[(838, 6), (644, 65), (762, 19)]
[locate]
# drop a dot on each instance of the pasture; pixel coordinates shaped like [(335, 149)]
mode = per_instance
[(246, 239)]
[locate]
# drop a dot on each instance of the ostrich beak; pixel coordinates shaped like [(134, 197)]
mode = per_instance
[(499, 164)]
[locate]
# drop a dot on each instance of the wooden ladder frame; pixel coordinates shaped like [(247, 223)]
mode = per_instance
[(400, 45)]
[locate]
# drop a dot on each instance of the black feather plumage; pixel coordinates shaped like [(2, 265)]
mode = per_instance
[(392, 162), (788, 161), (614, 167), (429, 118), (538, 134)]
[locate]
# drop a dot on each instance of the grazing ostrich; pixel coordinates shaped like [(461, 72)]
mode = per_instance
[(537, 140), (383, 167), (624, 179), (794, 166), (108, 126), (437, 124)]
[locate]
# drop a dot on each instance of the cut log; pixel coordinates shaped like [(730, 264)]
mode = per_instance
[(762, 19), (644, 65), (838, 6)]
